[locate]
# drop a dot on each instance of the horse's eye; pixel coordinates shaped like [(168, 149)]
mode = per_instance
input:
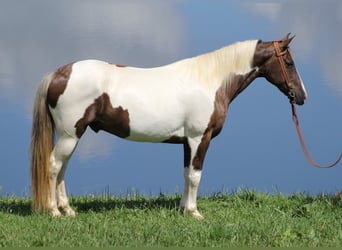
[(289, 62)]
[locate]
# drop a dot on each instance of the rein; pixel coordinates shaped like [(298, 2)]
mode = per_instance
[(280, 54)]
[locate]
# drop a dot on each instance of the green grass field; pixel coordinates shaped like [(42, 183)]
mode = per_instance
[(244, 218)]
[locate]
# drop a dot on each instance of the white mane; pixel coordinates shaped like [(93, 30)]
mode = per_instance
[(212, 68)]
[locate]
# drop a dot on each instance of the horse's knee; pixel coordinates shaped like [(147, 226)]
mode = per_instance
[(65, 147), (61, 154), (192, 176)]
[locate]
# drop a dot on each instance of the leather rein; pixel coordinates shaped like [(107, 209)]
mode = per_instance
[(292, 97)]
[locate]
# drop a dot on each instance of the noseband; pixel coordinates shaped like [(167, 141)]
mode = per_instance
[(292, 98)]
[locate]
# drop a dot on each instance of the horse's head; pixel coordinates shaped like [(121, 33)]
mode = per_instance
[(274, 62)]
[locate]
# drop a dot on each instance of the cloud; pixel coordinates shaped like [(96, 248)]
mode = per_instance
[(36, 40), (38, 36), (318, 28), (271, 10)]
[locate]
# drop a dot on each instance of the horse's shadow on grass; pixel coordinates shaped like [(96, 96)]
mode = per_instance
[(107, 204), (20, 207)]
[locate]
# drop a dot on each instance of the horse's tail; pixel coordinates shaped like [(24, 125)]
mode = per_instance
[(42, 141)]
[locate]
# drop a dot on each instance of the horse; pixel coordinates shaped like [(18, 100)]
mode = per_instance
[(185, 102)]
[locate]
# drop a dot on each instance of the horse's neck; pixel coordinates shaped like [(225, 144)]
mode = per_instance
[(234, 85), (237, 61), (213, 69)]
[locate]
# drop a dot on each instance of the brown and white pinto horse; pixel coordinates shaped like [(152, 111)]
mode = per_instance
[(185, 102)]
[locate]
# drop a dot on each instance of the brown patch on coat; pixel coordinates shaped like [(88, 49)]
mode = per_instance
[(187, 153), (117, 65), (263, 51), (186, 148), (101, 115), (224, 96), (176, 140), (58, 84), (202, 148)]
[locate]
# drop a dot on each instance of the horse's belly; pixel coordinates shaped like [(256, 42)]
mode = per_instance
[(166, 118), (153, 134), (155, 125)]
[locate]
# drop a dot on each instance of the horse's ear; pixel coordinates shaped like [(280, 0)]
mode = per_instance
[(286, 40)]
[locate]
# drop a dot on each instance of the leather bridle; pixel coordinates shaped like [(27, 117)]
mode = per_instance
[(279, 54), (292, 98)]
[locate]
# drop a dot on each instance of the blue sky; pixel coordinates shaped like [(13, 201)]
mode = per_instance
[(258, 147)]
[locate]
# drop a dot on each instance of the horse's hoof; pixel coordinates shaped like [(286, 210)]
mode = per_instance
[(194, 213), (70, 212), (55, 213), (197, 215)]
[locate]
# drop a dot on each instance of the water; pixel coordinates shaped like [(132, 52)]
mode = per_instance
[(258, 147)]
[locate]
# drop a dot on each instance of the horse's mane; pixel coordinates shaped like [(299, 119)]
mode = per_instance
[(213, 67)]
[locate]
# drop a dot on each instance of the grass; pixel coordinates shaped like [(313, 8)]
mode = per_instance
[(244, 218)]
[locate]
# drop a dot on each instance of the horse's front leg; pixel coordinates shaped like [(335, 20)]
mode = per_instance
[(194, 153), (192, 179)]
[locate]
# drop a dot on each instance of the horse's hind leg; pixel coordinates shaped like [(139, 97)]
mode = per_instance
[(61, 154), (62, 198)]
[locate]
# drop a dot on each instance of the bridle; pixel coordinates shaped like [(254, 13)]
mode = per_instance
[(292, 98), (279, 54)]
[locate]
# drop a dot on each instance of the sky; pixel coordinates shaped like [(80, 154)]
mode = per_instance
[(258, 147)]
